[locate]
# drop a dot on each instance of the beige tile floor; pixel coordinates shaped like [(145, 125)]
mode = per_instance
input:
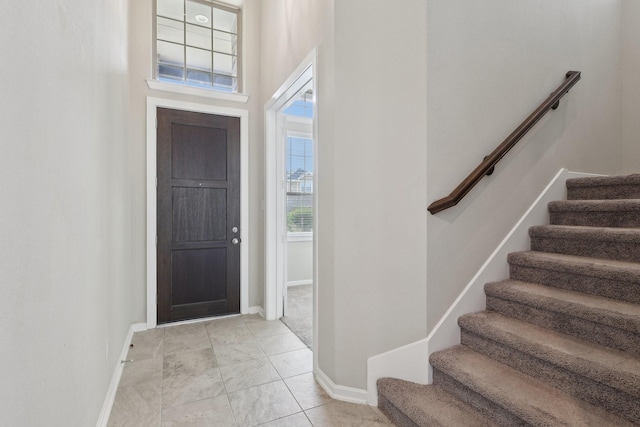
[(237, 371)]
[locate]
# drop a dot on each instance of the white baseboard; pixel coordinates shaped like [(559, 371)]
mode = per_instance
[(299, 283), (410, 362), (340, 392), (103, 419), (256, 309)]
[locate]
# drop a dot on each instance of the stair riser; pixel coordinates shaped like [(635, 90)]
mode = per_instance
[(623, 251), (608, 288), (608, 192), (616, 219), (394, 414), (590, 331), (575, 384), (500, 415)]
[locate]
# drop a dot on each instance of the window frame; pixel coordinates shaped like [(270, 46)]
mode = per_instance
[(155, 82)]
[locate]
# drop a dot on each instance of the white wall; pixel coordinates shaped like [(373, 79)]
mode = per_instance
[(490, 64), (299, 262), (66, 222), (371, 168), (378, 199), (290, 30), (631, 91)]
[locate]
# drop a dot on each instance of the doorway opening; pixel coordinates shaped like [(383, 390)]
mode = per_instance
[(291, 204), (152, 261)]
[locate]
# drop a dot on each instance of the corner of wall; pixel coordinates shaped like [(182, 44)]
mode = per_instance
[(103, 418), (340, 392)]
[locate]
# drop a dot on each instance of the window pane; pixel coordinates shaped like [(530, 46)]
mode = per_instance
[(225, 83), (199, 59), (224, 42), (295, 147), (198, 37), (198, 13), (168, 72), (170, 30), (170, 54), (225, 21), (308, 164), (199, 78), (299, 184), (224, 64), (171, 9), (299, 213)]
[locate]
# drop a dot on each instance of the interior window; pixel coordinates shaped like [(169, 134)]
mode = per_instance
[(198, 44), (299, 163)]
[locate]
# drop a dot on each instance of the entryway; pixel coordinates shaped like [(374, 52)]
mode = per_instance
[(291, 203), (198, 215), (201, 249)]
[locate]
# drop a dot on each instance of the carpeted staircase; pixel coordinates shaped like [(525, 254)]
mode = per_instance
[(559, 342)]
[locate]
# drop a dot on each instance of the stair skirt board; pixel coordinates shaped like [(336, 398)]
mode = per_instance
[(408, 362), (559, 340)]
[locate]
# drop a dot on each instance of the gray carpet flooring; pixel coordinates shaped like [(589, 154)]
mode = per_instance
[(299, 315), (559, 342)]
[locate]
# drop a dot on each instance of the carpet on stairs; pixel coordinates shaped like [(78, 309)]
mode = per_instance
[(559, 342)]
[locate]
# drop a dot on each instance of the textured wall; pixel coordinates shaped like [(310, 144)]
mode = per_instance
[(489, 65), (631, 91), (379, 188), (66, 221), (300, 261)]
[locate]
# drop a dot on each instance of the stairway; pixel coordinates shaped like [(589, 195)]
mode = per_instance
[(559, 342)]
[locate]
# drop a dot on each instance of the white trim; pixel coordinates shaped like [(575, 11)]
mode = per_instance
[(255, 309), (302, 236), (103, 419), (340, 392), (196, 91), (152, 105), (275, 249), (316, 141), (299, 283), (408, 362)]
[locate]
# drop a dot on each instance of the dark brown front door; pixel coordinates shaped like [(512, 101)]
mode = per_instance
[(198, 215)]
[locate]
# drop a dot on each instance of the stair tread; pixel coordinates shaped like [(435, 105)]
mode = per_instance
[(598, 309), (615, 368), (430, 404), (607, 205), (600, 181), (581, 232), (599, 267), (526, 397)]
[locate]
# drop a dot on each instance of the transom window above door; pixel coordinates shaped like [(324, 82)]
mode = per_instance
[(198, 44)]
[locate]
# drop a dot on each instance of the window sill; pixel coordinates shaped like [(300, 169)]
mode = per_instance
[(205, 93), (300, 237)]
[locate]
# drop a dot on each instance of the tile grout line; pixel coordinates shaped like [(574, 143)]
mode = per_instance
[(224, 384)]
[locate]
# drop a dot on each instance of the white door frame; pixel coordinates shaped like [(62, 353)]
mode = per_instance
[(275, 244), (152, 284)]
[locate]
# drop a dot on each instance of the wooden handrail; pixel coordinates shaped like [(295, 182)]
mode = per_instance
[(488, 163)]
